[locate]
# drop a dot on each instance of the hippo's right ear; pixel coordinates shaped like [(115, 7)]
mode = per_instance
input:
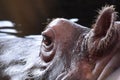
[(105, 21), (104, 32)]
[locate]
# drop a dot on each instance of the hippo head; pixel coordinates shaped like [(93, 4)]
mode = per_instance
[(74, 52)]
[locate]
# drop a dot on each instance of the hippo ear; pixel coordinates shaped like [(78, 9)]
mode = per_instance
[(104, 32), (104, 21)]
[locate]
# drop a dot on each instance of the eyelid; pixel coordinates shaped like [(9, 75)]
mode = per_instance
[(50, 33), (44, 35), (47, 37)]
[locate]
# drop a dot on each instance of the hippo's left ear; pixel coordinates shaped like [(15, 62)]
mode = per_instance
[(104, 21)]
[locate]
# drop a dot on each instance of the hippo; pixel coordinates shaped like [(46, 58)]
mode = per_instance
[(65, 51)]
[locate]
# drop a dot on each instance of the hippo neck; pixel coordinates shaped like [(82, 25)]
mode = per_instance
[(107, 65)]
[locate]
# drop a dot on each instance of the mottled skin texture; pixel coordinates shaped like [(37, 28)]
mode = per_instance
[(68, 51)]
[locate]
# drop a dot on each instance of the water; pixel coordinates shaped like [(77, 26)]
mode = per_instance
[(19, 57)]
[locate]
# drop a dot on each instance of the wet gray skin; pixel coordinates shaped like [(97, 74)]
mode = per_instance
[(65, 51)]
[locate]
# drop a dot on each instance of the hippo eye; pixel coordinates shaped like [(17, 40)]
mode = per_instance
[(47, 40)]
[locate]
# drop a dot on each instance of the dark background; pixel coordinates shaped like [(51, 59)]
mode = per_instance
[(31, 16)]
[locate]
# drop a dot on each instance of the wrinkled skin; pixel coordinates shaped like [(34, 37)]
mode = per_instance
[(67, 51)]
